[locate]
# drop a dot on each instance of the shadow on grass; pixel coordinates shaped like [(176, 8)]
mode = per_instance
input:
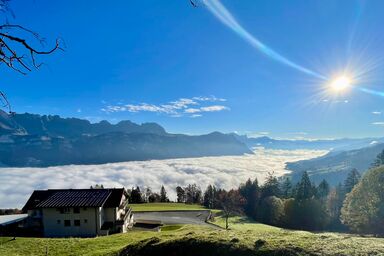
[(193, 247)]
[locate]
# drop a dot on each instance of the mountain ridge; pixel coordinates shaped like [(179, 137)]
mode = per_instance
[(32, 140)]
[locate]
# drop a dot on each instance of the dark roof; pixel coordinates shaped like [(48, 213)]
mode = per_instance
[(115, 198), (53, 198)]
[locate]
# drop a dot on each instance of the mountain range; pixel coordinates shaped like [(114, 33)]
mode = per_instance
[(334, 145), (335, 165), (45, 140)]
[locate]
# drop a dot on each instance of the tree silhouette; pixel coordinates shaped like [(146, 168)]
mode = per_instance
[(379, 160), (16, 48)]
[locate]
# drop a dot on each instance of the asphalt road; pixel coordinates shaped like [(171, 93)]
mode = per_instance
[(174, 217)]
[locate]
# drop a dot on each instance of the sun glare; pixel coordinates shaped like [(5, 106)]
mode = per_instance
[(341, 83)]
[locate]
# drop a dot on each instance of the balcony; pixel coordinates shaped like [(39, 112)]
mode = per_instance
[(124, 217), (123, 205)]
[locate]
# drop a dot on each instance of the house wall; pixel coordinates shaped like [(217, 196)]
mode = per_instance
[(89, 222), (110, 214)]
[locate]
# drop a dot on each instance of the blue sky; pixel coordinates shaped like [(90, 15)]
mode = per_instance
[(166, 62)]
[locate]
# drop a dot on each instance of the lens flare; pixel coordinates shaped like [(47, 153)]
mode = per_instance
[(222, 13)]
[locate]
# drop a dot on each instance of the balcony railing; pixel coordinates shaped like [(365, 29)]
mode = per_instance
[(124, 217), (123, 205)]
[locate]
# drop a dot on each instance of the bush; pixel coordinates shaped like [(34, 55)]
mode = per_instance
[(271, 210), (363, 208), (308, 214)]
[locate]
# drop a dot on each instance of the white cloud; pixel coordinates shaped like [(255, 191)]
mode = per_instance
[(17, 184), (376, 112), (211, 98), (214, 108), (78, 110), (378, 123), (175, 108), (192, 110), (196, 115), (252, 134)]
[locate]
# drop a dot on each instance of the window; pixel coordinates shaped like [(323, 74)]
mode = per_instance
[(65, 210), (76, 223), (85, 221), (76, 209), (58, 221), (67, 223)]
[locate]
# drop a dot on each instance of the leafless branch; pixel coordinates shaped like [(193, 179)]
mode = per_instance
[(21, 63)]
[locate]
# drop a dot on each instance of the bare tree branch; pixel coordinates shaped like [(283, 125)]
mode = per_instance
[(9, 43)]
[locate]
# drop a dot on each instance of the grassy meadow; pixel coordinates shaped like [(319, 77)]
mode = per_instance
[(243, 238)]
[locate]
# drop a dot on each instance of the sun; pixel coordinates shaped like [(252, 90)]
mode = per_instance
[(340, 83)]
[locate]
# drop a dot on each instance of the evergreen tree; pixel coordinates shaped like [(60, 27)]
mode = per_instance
[(352, 179), (271, 187), (286, 188), (136, 197), (163, 195), (379, 159), (154, 198), (251, 193), (304, 188), (322, 190), (193, 194), (209, 197), (180, 192)]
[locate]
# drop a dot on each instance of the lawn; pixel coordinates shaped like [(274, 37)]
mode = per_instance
[(165, 207), (243, 238)]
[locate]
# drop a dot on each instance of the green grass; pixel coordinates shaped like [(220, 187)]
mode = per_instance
[(202, 240), (171, 227), (165, 207)]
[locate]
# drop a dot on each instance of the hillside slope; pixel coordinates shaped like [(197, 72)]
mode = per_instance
[(335, 166), (244, 238)]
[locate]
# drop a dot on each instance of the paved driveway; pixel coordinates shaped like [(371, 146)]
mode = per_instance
[(174, 217)]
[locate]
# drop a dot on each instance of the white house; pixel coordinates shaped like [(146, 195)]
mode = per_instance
[(78, 212)]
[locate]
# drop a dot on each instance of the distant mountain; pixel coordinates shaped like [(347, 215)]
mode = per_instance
[(331, 144), (35, 140), (335, 166), (74, 127)]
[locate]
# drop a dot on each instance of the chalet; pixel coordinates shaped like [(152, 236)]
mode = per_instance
[(78, 212)]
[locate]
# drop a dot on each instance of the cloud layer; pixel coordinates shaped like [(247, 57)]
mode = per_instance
[(16, 184), (192, 107)]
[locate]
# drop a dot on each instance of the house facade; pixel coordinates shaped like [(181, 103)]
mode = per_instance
[(78, 212)]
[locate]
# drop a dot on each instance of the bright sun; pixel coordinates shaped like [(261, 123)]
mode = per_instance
[(341, 83)]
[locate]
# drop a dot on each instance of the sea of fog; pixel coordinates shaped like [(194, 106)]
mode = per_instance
[(17, 184)]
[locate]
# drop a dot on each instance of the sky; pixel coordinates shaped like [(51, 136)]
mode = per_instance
[(257, 68)]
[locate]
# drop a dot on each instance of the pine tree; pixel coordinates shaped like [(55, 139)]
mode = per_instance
[(304, 188), (163, 195), (251, 192), (352, 179), (286, 188), (180, 194), (209, 197), (379, 159), (271, 187), (136, 197), (323, 190)]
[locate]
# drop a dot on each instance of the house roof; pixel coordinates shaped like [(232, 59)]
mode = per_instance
[(53, 198), (12, 218)]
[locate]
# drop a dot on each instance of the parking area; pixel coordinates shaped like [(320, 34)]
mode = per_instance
[(197, 217)]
